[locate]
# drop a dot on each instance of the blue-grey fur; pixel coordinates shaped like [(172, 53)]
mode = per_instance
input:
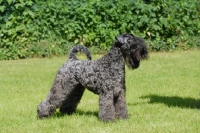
[(105, 77)]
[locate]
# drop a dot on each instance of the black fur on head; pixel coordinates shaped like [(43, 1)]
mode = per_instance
[(133, 48)]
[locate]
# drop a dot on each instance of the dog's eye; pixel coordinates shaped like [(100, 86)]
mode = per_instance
[(130, 41), (133, 46)]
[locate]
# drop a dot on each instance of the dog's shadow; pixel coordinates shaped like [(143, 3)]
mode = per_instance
[(78, 112), (174, 101)]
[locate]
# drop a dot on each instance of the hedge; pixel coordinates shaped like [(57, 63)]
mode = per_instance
[(42, 28)]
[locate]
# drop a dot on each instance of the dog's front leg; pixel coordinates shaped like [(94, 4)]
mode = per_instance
[(120, 105), (106, 106)]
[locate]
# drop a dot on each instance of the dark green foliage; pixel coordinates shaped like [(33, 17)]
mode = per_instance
[(43, 28)]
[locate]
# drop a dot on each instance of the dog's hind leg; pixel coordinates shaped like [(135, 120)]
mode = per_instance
[(59, 92), (54, 99), (72, 100)]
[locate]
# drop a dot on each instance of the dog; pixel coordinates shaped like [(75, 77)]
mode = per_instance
[(105, 77)]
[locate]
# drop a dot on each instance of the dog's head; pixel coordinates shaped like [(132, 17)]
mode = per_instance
[(133, 48)]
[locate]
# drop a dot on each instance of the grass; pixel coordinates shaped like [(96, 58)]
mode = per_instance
[(162, 96)]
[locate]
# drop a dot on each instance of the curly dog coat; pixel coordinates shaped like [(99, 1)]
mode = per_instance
[(105, 77)]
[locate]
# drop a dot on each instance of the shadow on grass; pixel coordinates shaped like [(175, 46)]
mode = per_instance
[(87, 113), (174, 101), (78, 112)]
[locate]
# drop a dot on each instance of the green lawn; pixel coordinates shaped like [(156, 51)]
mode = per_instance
[(162, 96)]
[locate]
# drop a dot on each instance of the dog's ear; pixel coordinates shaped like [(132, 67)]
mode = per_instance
[(123, 39), (120, 39)]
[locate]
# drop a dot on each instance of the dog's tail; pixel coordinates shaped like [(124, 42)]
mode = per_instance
[(79, 48)]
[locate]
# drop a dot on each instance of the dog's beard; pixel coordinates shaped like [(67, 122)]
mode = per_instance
[(132, 62), (133, 59)]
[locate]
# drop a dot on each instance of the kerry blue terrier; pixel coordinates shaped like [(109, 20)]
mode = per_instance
[(105, 77)]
